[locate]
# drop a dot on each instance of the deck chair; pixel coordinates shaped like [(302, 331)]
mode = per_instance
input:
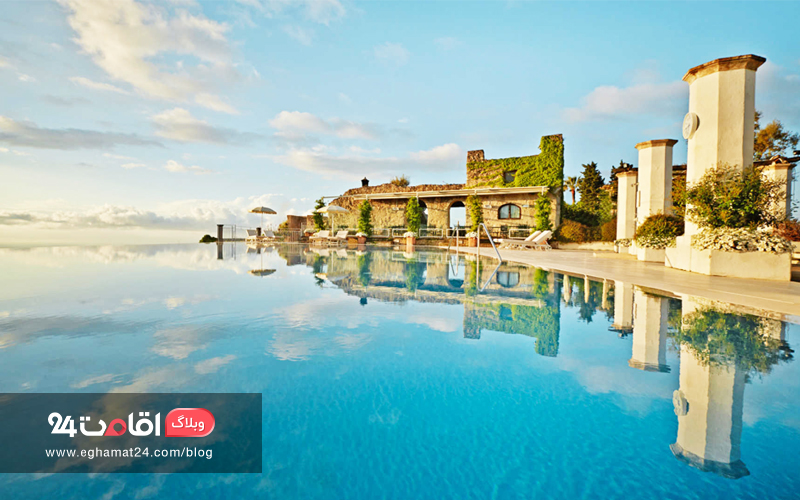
[(341, 237), (268, 235), (517, 241), (252, 235), (538, 243), (320, 237)]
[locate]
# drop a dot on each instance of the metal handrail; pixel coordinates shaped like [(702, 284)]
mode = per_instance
[(482, 225)]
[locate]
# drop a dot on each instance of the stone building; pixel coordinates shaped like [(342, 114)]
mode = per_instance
[(508, 189)]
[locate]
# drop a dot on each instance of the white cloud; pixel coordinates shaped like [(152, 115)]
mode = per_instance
[(29, 134), (129, 166), (175, 167), (179, 124), (90, 84), (318, 11), (345, 98), (124, 36), (293, 123), (213, 365), (26, 78), (320, 160), (5, 63), (214, 102), (447, 43), (117, 157), (610, 102), (444, 153), (391, 54), (302, 35)]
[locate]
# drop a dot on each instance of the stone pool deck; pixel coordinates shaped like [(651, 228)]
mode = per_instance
[(782, 298)]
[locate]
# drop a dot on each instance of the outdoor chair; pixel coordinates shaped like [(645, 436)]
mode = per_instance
[(320, 237)]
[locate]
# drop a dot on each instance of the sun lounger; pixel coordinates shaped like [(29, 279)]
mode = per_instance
[(516, 241), (341, 237), (538, 243), (320, 237), (252, 235)]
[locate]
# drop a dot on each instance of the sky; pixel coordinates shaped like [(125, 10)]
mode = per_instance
[(128, 121)]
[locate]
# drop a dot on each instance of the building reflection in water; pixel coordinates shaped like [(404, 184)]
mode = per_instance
[(719, 346)]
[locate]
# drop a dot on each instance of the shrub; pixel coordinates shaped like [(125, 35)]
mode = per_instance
[(542, 217), (573, 232), (728, 197), (207, 239), (608, 231), (365, 218), (740, 240), (789, 229), (475, 211), (413, 215), (658, 231), (319, 221), (579, 214), (401, 181)]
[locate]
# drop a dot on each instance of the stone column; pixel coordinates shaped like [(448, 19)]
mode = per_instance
[(623, 307), (655, 187), (650, 314), (719, 127), (219, 232), (626, 207), (709, 407), (782, 172)]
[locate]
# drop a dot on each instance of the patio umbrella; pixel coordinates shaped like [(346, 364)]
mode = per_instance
[(262, 211), (332, 210)]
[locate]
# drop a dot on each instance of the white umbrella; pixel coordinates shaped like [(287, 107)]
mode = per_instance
[(262, 211), (332, 210)]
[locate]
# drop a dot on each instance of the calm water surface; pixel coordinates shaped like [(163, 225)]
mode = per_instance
[(411, 375)]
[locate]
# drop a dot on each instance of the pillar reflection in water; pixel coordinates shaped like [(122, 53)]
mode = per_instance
[(650, 314), (623, 308)]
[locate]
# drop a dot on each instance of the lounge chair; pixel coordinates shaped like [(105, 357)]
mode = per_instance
[(320, 237), (252, 235), (341, 237), (268, 235), (517, 241), (538, 243)]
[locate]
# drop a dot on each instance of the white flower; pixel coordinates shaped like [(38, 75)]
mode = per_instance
[(740, 240)]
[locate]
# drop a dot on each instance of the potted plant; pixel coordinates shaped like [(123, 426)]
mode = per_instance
[(364, 222), (413, 221), (472, 237)]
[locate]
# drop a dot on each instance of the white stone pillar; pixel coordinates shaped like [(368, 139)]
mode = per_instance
[(650, 315), (782, 172), (626, 206), (719, 127), (623, 307), (655, 187)]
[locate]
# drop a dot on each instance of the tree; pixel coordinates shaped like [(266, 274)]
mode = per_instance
[(401, 181), (365, 218), (542, 217), (413, 215), (319, 221), (475, 211), (571, 185), (590, 186), (773, 140)]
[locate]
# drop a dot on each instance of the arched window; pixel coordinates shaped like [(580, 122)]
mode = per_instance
[(508, 279), (509, 211)]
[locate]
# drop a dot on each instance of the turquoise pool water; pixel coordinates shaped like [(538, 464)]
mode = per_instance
[(411, 376)]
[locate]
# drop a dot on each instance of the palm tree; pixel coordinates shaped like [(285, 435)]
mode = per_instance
[(571, 185)]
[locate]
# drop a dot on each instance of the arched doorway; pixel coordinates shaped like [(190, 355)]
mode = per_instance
[(424, 208), (457, 215)]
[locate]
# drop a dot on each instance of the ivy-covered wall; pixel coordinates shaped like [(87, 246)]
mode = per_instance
[(544, 169)]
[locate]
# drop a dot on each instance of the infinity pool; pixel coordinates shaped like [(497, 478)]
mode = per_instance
[(420, 375)]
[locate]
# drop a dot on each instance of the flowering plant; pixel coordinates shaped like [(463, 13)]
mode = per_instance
[(740, 240)]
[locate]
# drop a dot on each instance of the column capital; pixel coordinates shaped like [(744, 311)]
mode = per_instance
[(749, 61), (655, 143)]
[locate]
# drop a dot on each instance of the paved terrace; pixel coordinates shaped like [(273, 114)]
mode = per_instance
[(768, 296)]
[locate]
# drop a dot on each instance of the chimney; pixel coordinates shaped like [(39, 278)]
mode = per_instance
[(364, 182), (476, 155)]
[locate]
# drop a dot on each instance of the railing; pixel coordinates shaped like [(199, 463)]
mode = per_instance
[(482, 225)]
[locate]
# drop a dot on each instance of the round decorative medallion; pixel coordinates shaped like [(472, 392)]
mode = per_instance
[(690, 123)]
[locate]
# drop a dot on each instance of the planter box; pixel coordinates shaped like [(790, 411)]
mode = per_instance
[(753, 265), (473, 242), (362, 240), (411, 240), (650, 254)]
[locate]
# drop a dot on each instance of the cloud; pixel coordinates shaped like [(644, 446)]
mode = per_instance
[(123, 37), (29, 134), (26, 78), (320, 160), (175, 167), (90, 84), (297, 123), (5, 63), (213, 365), (129, 166), (64, 101), (391, 54), (446, 43), (444, 153), (179, 124), (345, 98), (192, 214), (610, 102), (318, 11), (302, 35)]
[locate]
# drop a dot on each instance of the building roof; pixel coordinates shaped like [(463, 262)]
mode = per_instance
[(446, 193)]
